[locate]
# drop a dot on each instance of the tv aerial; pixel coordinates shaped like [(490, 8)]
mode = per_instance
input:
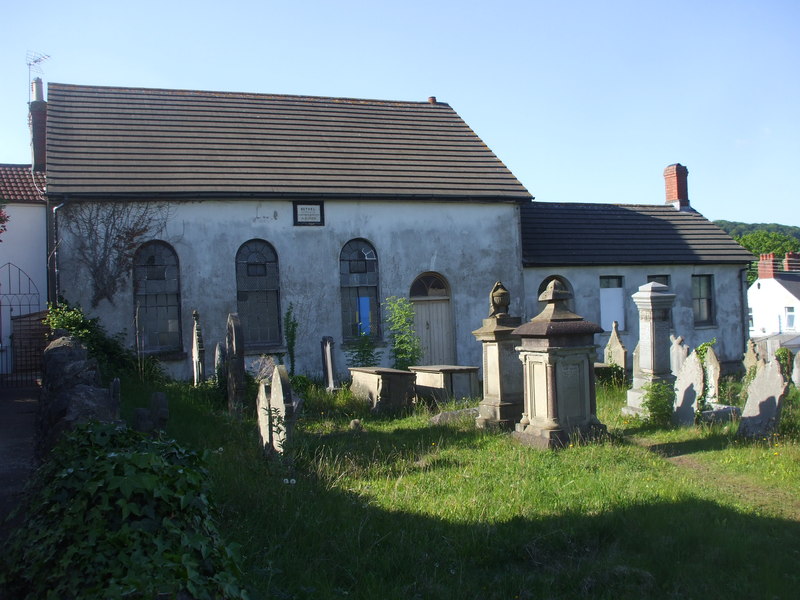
[(34, 61)]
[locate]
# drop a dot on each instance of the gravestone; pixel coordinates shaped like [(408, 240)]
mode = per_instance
[(796, 370), (653, 365), (220, 368), (678, 353), (276, 412), (198, 350), (387, 390), (557, 353), (501, 405), (712, 372), (615, 352), (115, 395), (327, 363), (234, 358), (750, 356), (688, 388), (762, 411)]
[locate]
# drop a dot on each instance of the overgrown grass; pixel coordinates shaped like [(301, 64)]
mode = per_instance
[(404, 509)]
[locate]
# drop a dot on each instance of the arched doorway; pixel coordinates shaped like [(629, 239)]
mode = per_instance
[(433, 319)]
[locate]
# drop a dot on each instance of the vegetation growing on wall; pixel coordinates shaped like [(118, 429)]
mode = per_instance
[(105, 238)]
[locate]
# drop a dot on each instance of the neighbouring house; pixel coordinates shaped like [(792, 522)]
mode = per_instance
[(604, 252), (774, 304), (252, 203), (23, 251)]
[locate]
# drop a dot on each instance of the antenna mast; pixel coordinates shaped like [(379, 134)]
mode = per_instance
[(34, 60)]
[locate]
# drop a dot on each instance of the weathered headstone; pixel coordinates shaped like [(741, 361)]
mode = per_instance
[(765, 395), (712, 370), (557, 354), (796, 370), (198, 350), (220, 368), (678, 353), (615, 352), (153, 418), (327, 363), (234, 357), (750, 356), (276, 413), (655, 304), (501, 405), (689, 387), (115, 395)]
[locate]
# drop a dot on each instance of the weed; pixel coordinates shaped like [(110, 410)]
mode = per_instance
[(659, 401)]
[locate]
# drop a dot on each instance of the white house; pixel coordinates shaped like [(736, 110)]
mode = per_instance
[(774, 303), (23, 251), (604, 252)]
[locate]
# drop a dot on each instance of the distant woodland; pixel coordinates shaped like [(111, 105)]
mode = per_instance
[(736, 230)]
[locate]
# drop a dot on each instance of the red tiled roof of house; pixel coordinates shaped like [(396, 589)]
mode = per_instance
[(19, 186)]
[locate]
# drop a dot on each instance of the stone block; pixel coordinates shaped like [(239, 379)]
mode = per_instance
[(386, 389)]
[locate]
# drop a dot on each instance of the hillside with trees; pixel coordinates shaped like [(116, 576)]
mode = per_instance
[(737, 230), (763, 238)]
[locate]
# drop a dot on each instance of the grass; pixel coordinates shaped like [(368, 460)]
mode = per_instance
[(405, 510)]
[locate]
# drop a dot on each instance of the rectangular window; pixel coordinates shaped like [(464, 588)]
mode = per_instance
[(790, 317), (612, 302), (703, 299), (750, 317), (662, 279)]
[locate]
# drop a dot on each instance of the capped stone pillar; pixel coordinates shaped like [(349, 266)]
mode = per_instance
[(557, 353), (654, 303), (502, 372)]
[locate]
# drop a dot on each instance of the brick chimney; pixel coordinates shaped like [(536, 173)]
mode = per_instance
[(791, 262), (37, 119), (677, 189), (767, 266)]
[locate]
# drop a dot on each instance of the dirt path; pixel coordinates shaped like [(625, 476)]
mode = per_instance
[(767, 499)]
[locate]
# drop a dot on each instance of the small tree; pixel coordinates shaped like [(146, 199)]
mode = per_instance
[(406, 345)]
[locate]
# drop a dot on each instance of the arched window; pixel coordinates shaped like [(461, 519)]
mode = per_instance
[(429, 285), (157, 297), (258, 293), (358, 274), (543, 287)]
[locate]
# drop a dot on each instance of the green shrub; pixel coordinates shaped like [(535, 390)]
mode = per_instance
[(113, 358), (406, 345), (611, 375), (784, 358), (114, 514), (362, 352), (659, 401)]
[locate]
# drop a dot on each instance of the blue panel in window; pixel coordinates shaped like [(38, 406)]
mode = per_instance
[(363, 313)]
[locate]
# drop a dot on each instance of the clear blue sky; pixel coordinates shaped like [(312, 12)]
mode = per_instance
[(584, 101)]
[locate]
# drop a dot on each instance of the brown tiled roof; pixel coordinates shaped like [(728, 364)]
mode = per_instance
[(19, 186), (615, 234), (105, 140)]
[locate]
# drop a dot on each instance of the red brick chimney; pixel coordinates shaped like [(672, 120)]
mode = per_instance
[(767, 266), (791, 262), (677, 189), (37, 120)]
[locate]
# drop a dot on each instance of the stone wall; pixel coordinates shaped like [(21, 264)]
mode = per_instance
[(71, 392)]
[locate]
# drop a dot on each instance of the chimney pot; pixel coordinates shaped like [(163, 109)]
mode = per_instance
[(37, 119), (37, 91), (675, 179), (432, 99)]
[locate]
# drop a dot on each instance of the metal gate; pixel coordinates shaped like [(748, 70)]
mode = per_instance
[(22, 334)]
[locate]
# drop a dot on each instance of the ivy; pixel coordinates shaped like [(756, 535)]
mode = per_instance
[(114, 514)]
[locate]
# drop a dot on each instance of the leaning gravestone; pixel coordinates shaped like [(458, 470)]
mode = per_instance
[(198, 350), (762, 412), (327, 363), (688, 388), (234, 357), (750, 356), (678, 353), (276, 413), (796, 370), (713, 371), (615, 352)]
